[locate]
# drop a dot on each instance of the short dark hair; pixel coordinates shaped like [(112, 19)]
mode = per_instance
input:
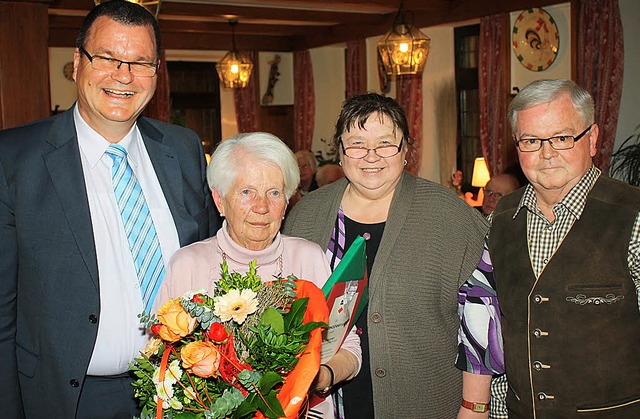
[(123, 12), (357, 110)]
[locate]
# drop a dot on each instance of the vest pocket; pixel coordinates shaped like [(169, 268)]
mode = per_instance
[(594, 295)]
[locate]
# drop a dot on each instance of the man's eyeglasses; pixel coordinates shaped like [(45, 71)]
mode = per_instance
[(138, 69), (383, 151), (489, 193), (560, 142)]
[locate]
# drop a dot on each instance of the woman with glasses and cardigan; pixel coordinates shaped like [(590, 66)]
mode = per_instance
[(423, 243)]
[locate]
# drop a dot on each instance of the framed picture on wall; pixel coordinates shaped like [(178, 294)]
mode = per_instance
[(276, 78)]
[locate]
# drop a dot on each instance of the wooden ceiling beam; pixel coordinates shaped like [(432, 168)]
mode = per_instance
[(439, 12), (264, 25)]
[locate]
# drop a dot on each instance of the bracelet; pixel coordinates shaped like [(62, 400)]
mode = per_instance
[(327, 389), (475, 407)]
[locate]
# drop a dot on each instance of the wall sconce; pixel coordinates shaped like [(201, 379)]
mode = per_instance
[(153, 6), (480, 175), (234, 70), (404, 49)]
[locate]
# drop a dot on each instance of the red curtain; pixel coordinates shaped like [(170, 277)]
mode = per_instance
[(304, 106), (246, 100), (491, 73), (352, 67), (159, 106), (600, 68), (409, 96)]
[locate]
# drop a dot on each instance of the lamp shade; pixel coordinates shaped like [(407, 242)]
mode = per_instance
[(404, 50), (153, 6), (234, 70), (480, 173)]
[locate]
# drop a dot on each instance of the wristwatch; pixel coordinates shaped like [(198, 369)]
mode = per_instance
[(475, 407)]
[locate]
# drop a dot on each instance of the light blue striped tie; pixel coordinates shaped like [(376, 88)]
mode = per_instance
[(138, 225)]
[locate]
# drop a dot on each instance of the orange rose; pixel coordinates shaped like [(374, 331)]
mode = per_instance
[(176, 322), (201, 357)]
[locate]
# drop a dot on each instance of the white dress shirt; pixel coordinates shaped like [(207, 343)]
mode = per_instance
[(120, 335)]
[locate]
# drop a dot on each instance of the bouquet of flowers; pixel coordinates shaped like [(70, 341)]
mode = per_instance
[(245, 349)]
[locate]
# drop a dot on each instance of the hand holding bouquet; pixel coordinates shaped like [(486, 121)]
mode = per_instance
[(245, 349)]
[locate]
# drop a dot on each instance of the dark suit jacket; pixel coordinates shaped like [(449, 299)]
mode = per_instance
[(49, 288)]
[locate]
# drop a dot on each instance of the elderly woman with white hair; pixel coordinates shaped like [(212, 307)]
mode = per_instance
[(252, 176)]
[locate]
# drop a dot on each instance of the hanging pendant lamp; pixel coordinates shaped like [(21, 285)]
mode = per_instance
[(234, 70), (404, 49)]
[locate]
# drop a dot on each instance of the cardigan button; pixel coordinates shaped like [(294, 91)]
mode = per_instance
[(380, 372), (376, 317), (74, 383), (93, 319)]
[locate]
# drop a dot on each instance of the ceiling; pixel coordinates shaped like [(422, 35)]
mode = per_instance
[(282, 25)]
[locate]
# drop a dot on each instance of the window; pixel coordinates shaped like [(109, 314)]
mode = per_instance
[(468, 147)]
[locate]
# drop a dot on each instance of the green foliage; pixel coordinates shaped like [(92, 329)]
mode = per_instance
[(625, 163), (264, 398), (225, 405), (147, 320), (273, 319), (229, 281), (276, 349), (202, 312), (249, 379)]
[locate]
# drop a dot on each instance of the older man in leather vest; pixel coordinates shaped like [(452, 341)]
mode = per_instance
[(566, 256)]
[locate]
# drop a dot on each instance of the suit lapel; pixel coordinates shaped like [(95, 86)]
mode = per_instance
[(65, 168), (167, 167)]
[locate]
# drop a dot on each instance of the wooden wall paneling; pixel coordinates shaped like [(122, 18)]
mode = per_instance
[(278, 120), (24, 63)]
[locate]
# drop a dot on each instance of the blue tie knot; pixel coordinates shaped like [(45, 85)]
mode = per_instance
[(116, 152)]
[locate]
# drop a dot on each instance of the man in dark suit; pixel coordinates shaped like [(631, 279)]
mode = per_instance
[(69, 287)]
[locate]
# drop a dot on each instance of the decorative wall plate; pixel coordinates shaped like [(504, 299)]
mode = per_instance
[(535, 39), (67, 71)]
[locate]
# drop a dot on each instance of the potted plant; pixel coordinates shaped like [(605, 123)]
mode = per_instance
[(625, 162)]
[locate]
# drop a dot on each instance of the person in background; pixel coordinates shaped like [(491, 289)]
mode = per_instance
[(329, 173), (71, 284), (566, 260), (423, 244), (308, 166), (455, 184), (498, 186), (252, 176)]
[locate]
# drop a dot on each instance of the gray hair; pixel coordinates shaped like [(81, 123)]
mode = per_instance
[(228, 160), (311, 159), (544, 91)]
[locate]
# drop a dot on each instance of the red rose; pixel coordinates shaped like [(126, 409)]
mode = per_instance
[(155, 329), (198, 299), (218, 333)]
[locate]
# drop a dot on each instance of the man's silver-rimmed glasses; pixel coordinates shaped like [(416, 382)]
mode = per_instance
[(559, 142), (107, 64), (383, 151)]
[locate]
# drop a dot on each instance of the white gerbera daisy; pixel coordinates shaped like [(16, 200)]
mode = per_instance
[(236, 305)]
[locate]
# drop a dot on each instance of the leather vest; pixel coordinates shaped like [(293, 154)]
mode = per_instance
[(571, 337)]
